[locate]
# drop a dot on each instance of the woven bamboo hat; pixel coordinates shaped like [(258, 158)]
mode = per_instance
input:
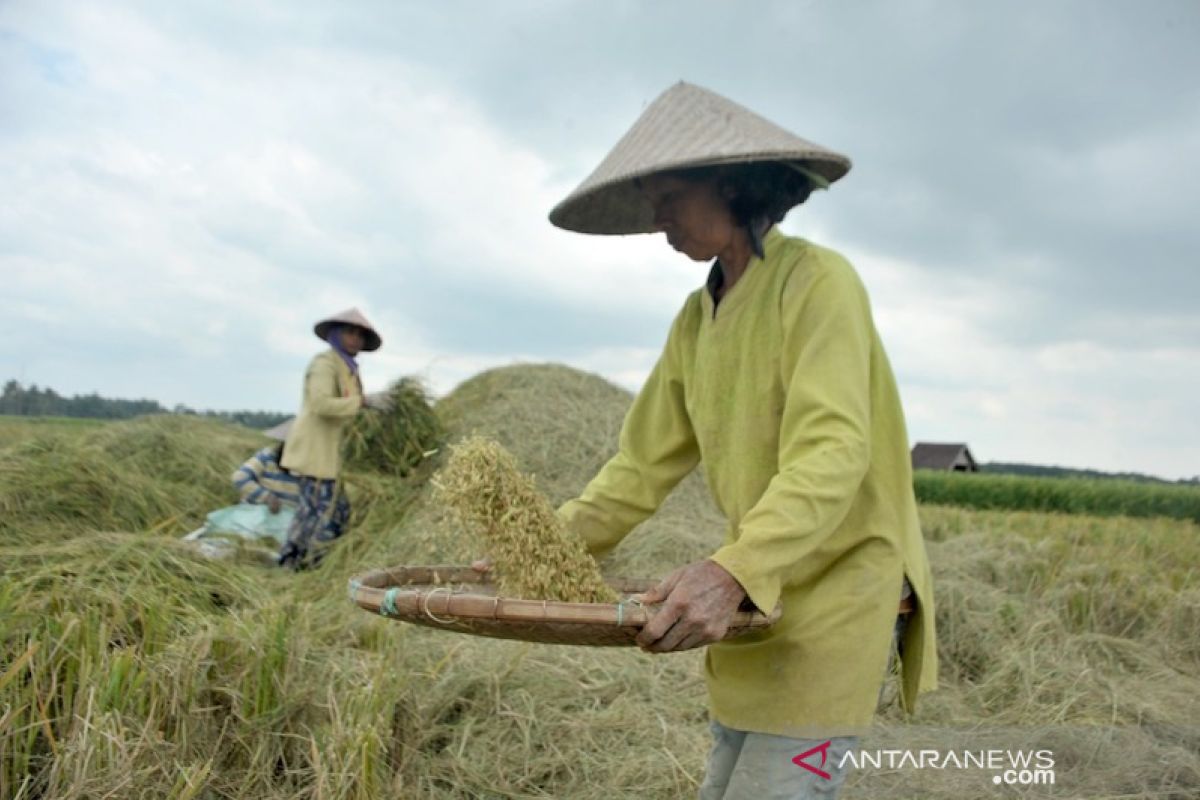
[(686, 126), (351, 316), (280, 432)]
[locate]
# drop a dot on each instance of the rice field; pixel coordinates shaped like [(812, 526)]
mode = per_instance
[(15, 429), (1100, 497), (130, 666)]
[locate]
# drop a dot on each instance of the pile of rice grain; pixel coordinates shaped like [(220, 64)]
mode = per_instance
[(532, 554)]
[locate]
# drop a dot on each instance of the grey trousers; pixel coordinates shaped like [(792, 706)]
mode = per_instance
[(760, 766)]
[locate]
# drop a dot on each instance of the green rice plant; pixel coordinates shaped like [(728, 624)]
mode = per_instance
[(1101, 497), (15, 429)]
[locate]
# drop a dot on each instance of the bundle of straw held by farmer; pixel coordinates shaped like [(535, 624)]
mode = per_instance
[(397, 436), (533, 556)]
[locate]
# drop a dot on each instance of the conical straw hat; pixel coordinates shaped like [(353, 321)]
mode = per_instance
[(687, 126), (280, 432), (351, 316)]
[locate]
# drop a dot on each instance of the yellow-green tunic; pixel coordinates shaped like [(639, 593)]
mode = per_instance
[(785, 393), (332, 396)]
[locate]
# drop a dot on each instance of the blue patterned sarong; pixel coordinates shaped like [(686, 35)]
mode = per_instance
[(320, 519)]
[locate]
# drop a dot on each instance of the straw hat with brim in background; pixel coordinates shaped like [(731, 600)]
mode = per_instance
[(686, 127), (280, 432), (351, 316)]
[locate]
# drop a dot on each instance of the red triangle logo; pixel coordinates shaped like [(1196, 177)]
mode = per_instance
[(823, 750)]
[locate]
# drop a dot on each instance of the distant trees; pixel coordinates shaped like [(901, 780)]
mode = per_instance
[(33, 401), (1038, 471)]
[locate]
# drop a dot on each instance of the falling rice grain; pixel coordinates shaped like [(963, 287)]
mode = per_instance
[(532, 553)]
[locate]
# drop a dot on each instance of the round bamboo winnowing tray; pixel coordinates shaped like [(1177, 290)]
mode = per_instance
[(456, 598)]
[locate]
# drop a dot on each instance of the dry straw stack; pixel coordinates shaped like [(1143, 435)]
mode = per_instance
[(533, 555), (159, 473), (561, 426)]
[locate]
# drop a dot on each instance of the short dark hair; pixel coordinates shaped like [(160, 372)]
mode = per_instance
[(760, 193)]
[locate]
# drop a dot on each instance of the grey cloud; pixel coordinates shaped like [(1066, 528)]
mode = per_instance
[(493, 319), (967, 124)]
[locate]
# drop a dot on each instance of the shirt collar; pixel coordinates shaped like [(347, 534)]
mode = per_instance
[(716, 275), (716, 279)]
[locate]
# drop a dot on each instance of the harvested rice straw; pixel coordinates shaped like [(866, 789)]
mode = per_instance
[(399, 439), (533, 555)]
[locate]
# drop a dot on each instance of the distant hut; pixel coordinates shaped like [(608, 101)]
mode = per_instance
[(948, 457)]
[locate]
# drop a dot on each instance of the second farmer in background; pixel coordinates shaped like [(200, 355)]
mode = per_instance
[(333, 395)]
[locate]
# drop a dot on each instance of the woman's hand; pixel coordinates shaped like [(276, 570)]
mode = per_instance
[(378, 401), (698, 602), (482, 565)]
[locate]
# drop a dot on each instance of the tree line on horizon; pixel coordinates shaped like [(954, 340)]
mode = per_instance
[(1039, 471), (35, 401)]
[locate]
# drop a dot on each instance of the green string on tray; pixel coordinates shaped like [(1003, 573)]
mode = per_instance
[(388, 607), (621, 608)]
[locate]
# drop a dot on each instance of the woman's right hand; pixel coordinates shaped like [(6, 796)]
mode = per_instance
[(378, 401), (482, 565)]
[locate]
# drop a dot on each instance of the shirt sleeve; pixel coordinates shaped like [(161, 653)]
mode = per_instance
[(247, 481), (321, 392), (824, 438), (657, 449)]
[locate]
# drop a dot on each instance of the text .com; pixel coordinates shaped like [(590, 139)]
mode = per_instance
[(1025, 777)]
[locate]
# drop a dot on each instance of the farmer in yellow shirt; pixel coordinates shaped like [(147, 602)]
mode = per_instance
[(774, 377), (333, 395)]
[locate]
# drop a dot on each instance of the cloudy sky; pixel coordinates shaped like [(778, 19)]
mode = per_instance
[(187, 187)]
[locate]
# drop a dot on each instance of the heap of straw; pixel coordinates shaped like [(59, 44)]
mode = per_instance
[(532, 553), (562, 426), (397, 440), (161, 473)]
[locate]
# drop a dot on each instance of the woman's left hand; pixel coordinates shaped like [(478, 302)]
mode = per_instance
[(698, 602)]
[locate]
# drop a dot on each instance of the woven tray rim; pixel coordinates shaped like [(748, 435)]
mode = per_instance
[(429, 592)]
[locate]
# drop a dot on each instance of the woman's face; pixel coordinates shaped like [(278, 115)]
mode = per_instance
[(352, 339), (693, 215)]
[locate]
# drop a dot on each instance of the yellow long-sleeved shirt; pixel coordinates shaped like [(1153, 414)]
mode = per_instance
[(332, 396), (784, 391)]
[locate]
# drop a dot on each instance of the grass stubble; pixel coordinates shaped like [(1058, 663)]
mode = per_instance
[(130, 666)]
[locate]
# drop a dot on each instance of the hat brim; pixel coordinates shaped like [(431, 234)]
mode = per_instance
[(280, 432), (618, 207), (685, 127), (371, 339)]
